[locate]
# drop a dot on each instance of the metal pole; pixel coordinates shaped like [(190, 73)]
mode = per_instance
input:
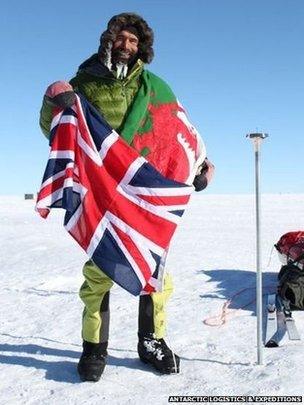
[(257, 140)]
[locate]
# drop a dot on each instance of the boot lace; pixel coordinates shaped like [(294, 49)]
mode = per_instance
[(154, 347)]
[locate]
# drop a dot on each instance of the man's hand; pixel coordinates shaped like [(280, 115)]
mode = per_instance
[(204, 175), (60, 94)]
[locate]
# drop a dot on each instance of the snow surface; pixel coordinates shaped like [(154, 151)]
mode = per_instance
[(212, 259)]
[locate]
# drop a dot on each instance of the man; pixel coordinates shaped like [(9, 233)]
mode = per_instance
[(115, 81)]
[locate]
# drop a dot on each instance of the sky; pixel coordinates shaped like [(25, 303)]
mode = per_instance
[(236, 66)]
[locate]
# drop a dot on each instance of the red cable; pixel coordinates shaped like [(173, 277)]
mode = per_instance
[(221, 319)]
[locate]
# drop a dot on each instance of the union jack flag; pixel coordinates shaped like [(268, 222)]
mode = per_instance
[(119, 208)]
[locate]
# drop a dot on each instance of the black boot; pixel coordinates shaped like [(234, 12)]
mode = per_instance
[(156, 352), (92, 361)]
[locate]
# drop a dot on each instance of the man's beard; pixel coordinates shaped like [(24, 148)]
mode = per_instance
[(124, 57)]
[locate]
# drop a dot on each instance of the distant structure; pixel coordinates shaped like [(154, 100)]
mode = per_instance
[(28, 196)]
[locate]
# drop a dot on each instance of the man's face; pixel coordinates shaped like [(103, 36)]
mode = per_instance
[(125, 47)]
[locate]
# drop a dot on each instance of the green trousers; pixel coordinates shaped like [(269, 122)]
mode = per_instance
[(95, 292)]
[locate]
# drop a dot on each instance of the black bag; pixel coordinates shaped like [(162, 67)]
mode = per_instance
[(291, 285)]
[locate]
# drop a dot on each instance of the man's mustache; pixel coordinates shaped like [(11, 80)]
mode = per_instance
[(124, 56), (122, 52)]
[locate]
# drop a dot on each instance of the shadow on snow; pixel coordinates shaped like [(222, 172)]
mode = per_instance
[(235, 285), (60, 371), (239, 287)]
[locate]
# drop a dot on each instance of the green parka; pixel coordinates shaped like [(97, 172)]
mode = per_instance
[(141, 108), (112, 97)]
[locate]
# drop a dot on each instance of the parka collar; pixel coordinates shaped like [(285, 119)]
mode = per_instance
[(95, 67)]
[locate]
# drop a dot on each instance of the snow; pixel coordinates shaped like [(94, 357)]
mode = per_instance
[(212, 260)]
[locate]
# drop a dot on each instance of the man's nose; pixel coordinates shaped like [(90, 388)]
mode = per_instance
[(125, 45)]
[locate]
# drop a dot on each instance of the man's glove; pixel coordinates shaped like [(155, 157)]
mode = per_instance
[(60, 94), (204, 175)]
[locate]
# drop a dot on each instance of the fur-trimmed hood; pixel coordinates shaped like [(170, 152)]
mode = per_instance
[(117, 24)]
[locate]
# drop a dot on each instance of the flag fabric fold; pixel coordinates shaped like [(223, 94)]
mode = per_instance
[(119, 208)]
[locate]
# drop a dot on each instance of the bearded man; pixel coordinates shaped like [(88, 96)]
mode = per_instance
[(131, 99)]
